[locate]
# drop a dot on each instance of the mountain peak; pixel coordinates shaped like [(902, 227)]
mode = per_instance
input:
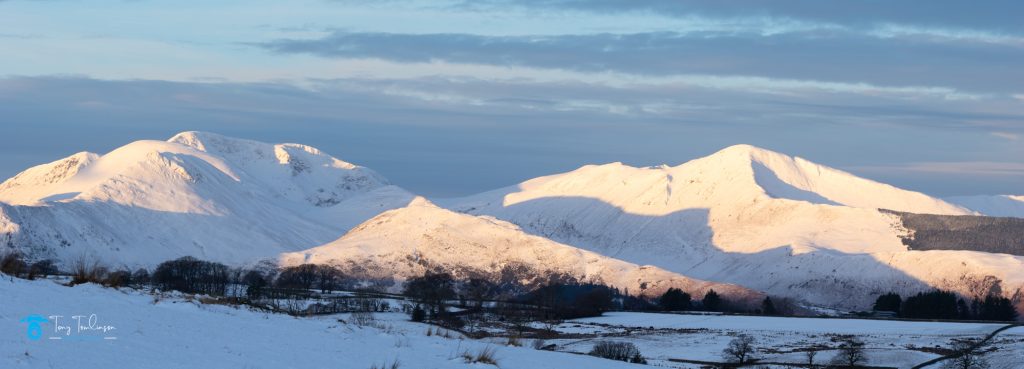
[(211, 142), (746, 153), (741, 149), (420, 201)]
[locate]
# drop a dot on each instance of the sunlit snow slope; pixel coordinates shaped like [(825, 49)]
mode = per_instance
[(422, 237), (752, 217), (997, 206), (198, 194)]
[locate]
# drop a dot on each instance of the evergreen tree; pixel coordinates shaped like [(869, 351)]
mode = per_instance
[(936, 304), (888, 302), (768, 307), (997, 308), (711, 301), (674, 300), (963, 311)]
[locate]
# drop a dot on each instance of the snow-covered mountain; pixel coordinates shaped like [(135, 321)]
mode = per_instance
[(744, 216), (421, 237), (198, 194), (752, 217), (992, 205)]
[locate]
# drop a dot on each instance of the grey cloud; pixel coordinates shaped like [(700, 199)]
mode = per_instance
[(841, 57), (493, 134), (998, 15)]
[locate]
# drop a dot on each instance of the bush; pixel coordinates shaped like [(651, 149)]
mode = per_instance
[(362, 318), (484, 356), (119, 278), (12, 264), (675, 300), (539, 344), (42, 269), (622, 351), (394, 365), (86, 269), (141, 277), (418, 314)]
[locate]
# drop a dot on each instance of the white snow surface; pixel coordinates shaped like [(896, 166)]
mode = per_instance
[(752, 217), (409, 241), (178, 333), (198, 194), (900, 344), (993, 205)]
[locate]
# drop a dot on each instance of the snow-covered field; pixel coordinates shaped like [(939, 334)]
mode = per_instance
[(177, 333), (902, 344)]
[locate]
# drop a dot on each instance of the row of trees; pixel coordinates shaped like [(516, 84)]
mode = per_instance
[(435, 291), (675, 299), (940, 304)]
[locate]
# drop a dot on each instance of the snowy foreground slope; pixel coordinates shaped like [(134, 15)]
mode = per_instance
[(421, 237), (752, 217), (198, 194), (175, 333)]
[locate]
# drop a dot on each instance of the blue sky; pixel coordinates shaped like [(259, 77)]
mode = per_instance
[(450, 98)]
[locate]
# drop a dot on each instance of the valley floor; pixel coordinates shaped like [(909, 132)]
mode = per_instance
[(666, 337), (178, 331)]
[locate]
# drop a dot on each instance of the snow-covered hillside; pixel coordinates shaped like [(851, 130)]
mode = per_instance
[(752, 217), (744, 216), (198, 194), (997, 206), (422, 237)]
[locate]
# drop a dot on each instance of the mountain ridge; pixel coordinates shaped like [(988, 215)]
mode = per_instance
[(422, 237), (198, 194), (751, 217), (743, 216)]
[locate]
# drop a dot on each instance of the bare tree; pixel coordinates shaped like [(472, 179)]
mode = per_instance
[(740, 350), (851, 353), (329, 278), (810, 354), (967, 354)]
